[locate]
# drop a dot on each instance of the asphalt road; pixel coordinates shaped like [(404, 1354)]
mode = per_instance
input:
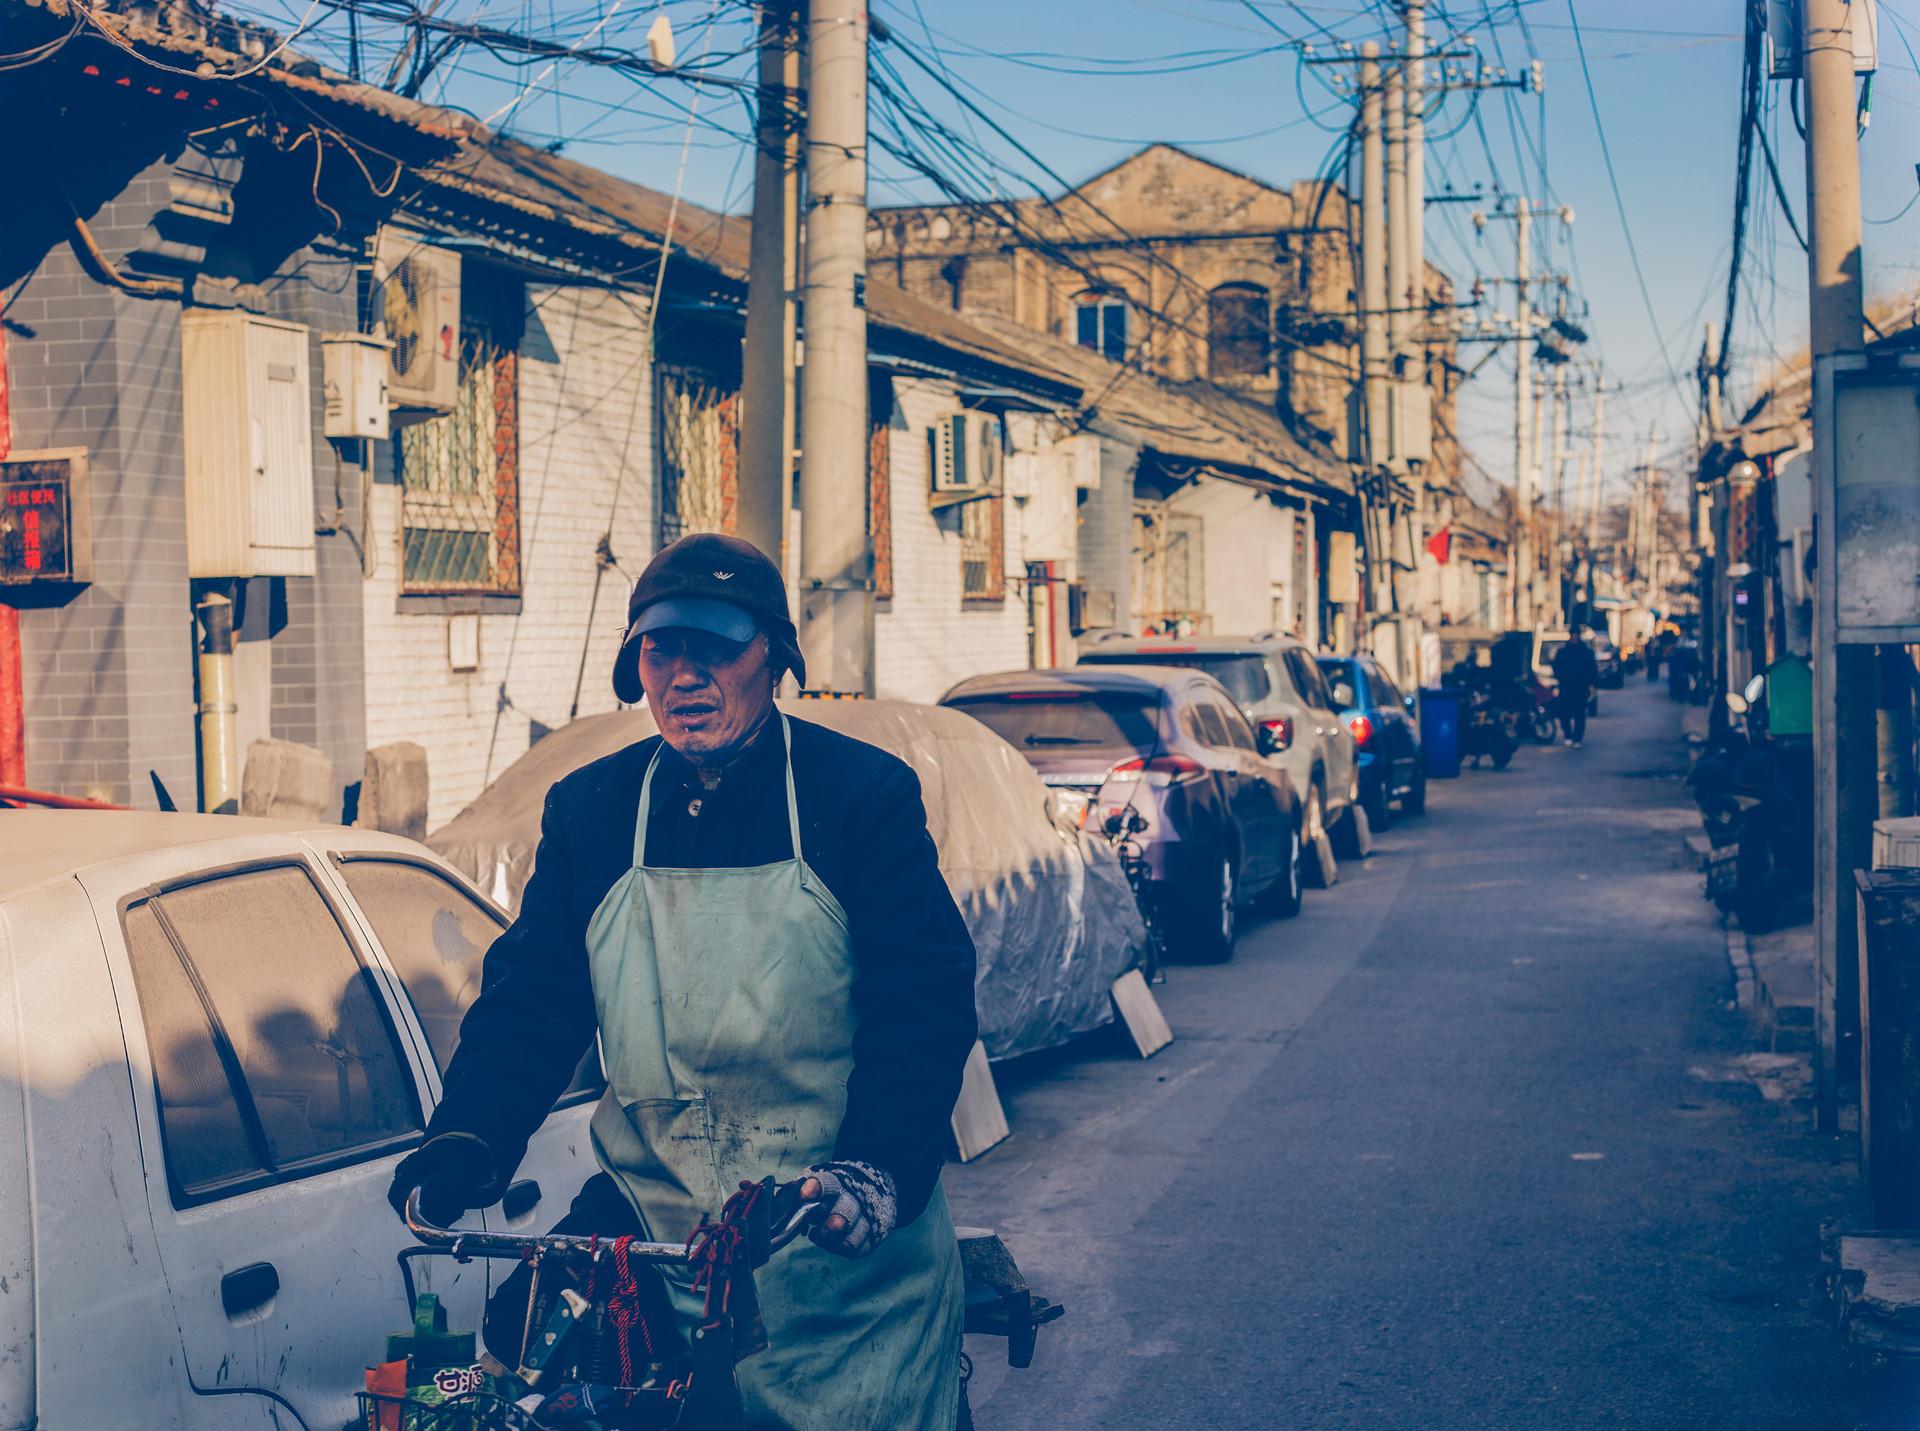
[(1463, 1145)]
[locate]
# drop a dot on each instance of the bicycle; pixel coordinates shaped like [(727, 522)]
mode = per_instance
[(579, 1365), (599, 1347)]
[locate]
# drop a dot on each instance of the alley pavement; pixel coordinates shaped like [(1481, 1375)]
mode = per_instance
[(1466, 1144)]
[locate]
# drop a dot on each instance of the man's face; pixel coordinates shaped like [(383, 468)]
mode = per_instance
[(707, 694)]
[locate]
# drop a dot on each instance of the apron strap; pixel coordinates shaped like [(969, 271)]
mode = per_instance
[(646, 798), (793, 803)]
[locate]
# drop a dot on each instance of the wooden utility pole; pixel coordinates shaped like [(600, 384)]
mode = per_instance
[(767, 363), (836, 561), (1846, 798)]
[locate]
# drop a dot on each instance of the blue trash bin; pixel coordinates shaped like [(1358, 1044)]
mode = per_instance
[(1441, 711)]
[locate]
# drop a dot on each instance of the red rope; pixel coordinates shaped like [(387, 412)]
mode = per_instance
[(714, 1245)]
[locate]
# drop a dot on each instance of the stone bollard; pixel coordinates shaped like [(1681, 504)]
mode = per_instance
[(285, 780), (393, 794)]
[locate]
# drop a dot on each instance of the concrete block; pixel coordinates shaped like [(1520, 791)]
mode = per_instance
[(286, 781), (1140, 1012), (979, 1122), (393, 794), (1878, 1290)]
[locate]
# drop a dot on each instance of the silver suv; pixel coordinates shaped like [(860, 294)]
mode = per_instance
[(1277, 682)]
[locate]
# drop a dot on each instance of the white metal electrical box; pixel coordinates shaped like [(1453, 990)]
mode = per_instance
[(417, 306), (353, 369), (248, 439)]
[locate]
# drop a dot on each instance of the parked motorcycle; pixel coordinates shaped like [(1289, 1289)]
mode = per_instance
[(1752, 791)]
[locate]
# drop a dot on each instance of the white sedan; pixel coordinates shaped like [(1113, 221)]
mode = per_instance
[(217, 1037)]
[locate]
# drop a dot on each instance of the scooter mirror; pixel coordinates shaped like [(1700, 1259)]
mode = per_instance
[(1755, 689), (1736, 703)]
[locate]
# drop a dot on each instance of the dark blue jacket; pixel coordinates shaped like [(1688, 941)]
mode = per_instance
[(863, 830)]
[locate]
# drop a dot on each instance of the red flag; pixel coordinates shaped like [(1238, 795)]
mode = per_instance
[(1440, 545)]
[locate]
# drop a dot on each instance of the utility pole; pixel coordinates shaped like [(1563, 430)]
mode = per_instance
[(1522, 555), (767, 375), (1558, 466), (1846, 798), (1598, 470), (1373, 303), (836, 550)]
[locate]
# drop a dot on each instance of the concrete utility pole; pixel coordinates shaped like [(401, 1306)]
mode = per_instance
[(767, 377), (1843, 676), (1399, 316), (1522, 424), (1598, 471), (1373, 304), (1556, 608), (1415, 131), (836, 558)]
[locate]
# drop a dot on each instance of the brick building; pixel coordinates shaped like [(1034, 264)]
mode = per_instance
[(1188, 267)]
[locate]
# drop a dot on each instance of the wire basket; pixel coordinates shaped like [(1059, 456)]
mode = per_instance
[(482, 1411)]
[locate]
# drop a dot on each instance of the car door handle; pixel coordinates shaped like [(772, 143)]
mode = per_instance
[(522, 1198), (246, 1289)]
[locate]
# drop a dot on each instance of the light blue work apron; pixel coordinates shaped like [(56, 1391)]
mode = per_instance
[(726, 1028)]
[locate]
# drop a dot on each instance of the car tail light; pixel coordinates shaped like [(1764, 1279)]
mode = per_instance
[(1171, 768), (1279, 732), (1362, 729)]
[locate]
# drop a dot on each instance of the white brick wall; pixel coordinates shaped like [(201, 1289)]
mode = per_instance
[(1244, 550), (585, 401), (927, 638)]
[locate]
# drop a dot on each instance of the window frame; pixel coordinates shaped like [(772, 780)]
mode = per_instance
[(340, 859), (270, 1174), (494, 293), (1217, 343), (1103, 304)]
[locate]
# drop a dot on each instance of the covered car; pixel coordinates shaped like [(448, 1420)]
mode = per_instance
[(1052, 916)]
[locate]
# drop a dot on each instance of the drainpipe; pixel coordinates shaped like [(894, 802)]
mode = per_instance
[(13, 705), (219, 764)]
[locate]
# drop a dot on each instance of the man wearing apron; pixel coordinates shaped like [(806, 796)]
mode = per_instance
[(748, 911)]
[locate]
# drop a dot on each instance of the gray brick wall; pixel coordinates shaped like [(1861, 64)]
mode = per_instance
[(109, 677), (1106, 530)]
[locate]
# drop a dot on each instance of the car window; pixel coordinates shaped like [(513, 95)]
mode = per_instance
[(206, 1140), (1245, 677), (312, 1062), (1385, 692), (1239, 733), (1335, 669), (436, 935), (1068, 721), (1206, 716), (1306, 676)]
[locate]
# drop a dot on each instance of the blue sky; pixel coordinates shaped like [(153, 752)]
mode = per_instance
[(1081, 83)]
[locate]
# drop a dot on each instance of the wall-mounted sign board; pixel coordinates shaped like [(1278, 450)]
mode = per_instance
[(45, 518)]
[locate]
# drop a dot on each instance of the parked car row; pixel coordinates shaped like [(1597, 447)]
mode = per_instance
[(1226, 758)]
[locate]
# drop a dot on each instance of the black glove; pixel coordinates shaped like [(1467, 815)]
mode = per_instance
[(863, 1199), (454, 1172)]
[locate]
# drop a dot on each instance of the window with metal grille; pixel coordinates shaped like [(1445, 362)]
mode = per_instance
[(983, 575), (1239, 331), (699, 453), (1169, 557), (460, 473)]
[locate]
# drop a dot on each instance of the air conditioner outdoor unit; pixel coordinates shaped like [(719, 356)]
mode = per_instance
[(947, 455), (417, 309)]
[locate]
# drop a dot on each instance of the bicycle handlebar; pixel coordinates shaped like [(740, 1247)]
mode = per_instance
[(463, 1244)]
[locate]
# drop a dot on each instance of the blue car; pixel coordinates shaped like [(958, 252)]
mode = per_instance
[(1391, 761)]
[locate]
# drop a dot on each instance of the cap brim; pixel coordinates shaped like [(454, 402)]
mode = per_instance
[(697, 613)]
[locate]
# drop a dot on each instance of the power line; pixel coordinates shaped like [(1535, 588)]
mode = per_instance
[(1620, 204)]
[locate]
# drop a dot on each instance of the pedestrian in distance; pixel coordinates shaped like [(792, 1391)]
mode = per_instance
[(747, 911), (1576, 672)]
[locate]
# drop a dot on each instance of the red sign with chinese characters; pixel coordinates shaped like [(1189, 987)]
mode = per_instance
[(37, 529)]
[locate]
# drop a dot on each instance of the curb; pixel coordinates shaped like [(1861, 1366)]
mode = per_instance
[(1745, 986)]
